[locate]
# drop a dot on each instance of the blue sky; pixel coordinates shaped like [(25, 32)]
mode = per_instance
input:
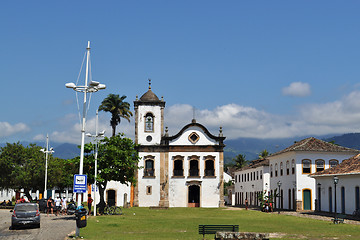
[(266, 69)]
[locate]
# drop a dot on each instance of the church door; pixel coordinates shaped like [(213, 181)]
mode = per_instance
[(194, 196)]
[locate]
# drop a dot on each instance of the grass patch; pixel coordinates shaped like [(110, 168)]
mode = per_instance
[(182, 223)]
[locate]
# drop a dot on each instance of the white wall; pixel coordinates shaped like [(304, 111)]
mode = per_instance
[(120, 190), (183, 138), (156, 134), (146, 200), (301, 181), (257, 184), (6, 194), (349, 182), (209, 186)]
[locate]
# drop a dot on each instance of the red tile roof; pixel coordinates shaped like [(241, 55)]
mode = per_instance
[(255, 164), (316, 145), (348, 166)]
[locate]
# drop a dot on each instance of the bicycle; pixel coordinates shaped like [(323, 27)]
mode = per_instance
[(116, 210), (111, 210), (356, 213)]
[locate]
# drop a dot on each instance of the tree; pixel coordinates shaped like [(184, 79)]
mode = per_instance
[(118, 109), (263, 154), (240, 161), (24, 168), (117, 161)]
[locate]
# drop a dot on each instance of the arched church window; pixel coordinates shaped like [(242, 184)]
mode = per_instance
[(194, 166), (178, 166), (149, 169), (149, 122), (210, 166)]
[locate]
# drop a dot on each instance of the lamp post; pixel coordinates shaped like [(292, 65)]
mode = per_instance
[(336, 181), (46, 151), (279, 185), (92, 87), (96, 139)]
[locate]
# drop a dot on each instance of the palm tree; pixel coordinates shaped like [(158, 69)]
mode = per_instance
[(240, 161), (263, 154), (118, 109)]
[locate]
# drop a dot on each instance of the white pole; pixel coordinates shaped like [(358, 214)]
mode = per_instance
[(46, 163), (83, 128), (84, 119), (96, 153)]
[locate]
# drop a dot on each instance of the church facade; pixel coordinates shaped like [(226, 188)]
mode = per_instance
[(183, 170)]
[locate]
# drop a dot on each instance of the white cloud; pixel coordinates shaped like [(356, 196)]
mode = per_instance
[(297, 89), (341, 116), (6, 129), (72, 134), (39, 137)]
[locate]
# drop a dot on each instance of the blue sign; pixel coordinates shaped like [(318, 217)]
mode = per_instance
[(94, 188), (80, 183)]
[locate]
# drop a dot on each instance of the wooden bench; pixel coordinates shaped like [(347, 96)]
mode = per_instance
[(339, 219), (212, 229)]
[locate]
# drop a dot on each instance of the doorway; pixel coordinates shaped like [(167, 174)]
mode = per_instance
[(111, 201), (307, 199), (194, 196)]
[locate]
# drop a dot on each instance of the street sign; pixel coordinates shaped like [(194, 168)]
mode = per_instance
[(80, 183), (93, 187)]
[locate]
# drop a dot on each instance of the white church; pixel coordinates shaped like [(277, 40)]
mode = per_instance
[(184, 170)]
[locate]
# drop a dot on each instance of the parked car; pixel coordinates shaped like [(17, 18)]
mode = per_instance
[(25, 214)]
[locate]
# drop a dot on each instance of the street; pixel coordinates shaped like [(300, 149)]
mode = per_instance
[(52, 227)]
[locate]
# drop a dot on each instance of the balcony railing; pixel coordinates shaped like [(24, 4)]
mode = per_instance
[(148, 172), (194, 172), (178, 172), (209, 172)]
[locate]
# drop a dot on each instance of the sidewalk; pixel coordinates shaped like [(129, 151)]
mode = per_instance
[(319, 216), (314, 215)]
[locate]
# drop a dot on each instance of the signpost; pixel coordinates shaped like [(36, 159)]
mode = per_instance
[(80, 183)]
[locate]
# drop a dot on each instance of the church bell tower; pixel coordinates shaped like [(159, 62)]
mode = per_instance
[(149, 118)]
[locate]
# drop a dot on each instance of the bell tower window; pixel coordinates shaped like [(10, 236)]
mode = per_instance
[(149, 168), (149, 122)]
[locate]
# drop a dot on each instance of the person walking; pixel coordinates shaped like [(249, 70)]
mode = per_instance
[(63, 206), (57, 205), (89, 202), (50, 206), (246, 204)]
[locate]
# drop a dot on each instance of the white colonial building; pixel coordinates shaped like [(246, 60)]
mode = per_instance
[(250, 181), (184, 170), (347, 187), (290, 169)]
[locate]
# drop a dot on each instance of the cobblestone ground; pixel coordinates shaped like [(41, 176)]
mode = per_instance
[(319, 216), (313, 215), (52, 227)]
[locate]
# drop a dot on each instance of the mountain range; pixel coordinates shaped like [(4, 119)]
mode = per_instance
[(250, 147)]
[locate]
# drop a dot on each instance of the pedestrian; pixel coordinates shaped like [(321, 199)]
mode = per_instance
[(57, 205), (89, 202), (50, 206), (246, 204), (63, 205), (266, 206)]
